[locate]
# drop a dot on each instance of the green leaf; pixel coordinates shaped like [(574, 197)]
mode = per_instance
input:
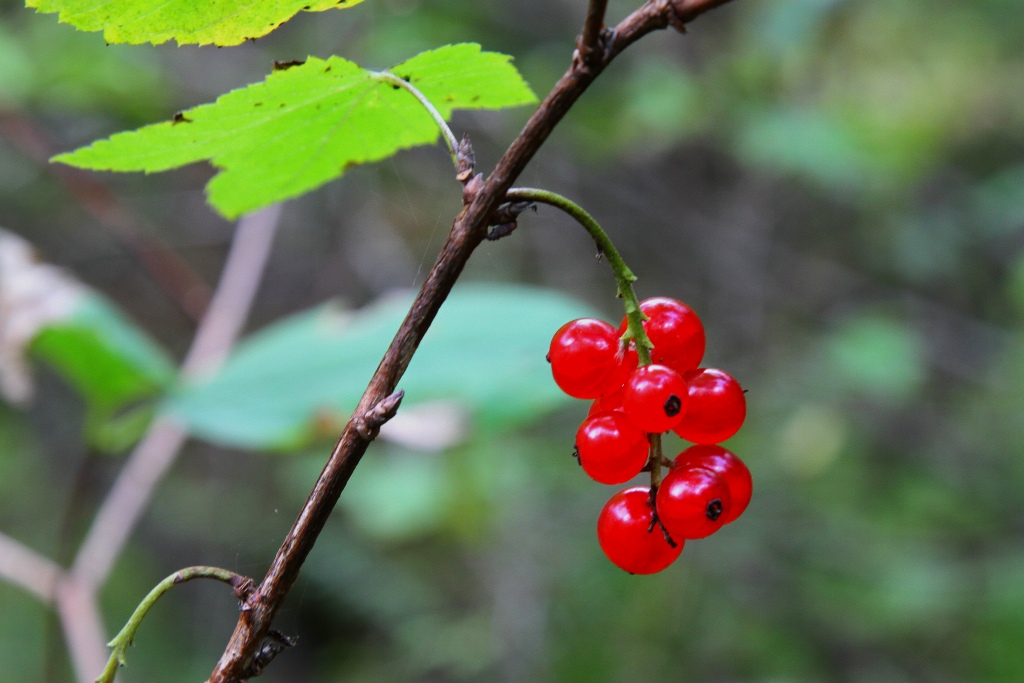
[(485, 351), (111, 363), (305, 125), (224, 22), (107, 359)]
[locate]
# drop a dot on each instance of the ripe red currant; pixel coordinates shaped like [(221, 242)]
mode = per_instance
[(588, 359), (726, 465), (610, 448), (655, 398), (716, 409), (675, 331), (628, 537), (608, 402), (692, 502)]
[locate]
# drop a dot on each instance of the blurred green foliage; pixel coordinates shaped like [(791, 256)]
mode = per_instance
[(836, 186)]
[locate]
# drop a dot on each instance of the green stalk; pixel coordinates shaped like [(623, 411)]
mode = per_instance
[(624, 279), (123, 639), (446, 131)]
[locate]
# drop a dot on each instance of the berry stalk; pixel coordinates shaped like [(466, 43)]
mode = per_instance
[(624, 277)]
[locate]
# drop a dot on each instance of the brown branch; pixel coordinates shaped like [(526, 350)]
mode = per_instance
[(467, 232), (589, 42)]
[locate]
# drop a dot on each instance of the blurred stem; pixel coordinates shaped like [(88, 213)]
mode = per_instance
[(449, 136), (241, 584), (624, 277), (24, 567)]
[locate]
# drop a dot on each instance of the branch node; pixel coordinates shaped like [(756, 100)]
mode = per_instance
[(465, 160), (675, 17), (244, 587), (369, 423), (273, 645), (471, 188), (505, 218)]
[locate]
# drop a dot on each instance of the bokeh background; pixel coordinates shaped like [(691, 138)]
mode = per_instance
[(836, 186)]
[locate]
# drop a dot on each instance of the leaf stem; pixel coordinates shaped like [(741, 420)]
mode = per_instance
[(241, 584), (624, 277), (446, 131)]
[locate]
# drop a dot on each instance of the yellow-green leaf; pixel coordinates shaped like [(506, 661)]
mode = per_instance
[(303, 126), (221, 22)]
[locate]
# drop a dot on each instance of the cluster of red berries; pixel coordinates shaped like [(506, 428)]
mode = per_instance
[(706, 486)]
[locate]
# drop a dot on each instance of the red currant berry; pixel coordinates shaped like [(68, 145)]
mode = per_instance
[(726, 465), (628, 536), (655, 398), (675, 331), (693, 502), (588, 359), (606, 403), (610, 448), (716, 409)]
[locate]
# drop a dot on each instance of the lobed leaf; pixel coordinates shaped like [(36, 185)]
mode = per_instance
[(223, 22), (305, 125)]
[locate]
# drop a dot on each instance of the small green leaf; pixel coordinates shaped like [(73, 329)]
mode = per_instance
[(485, 351), (224, 22), (305, 125), (104, 356), (111, 363)]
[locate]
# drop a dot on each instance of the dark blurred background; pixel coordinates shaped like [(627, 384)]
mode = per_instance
[(836, 186)]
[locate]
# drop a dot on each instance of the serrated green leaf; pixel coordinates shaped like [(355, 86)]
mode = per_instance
[(305, 125), (224, 22), (485, 351)]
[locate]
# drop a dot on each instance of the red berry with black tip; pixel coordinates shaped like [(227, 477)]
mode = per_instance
[(726, 465), (655, 398), (693, 502), (588, 359), (716, 409), (610, 448), (629, 536)]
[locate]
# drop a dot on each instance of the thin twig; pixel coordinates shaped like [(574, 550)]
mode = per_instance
[(83, 628), (24, 567), (590, 38), (242, 586), (468, 231)]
